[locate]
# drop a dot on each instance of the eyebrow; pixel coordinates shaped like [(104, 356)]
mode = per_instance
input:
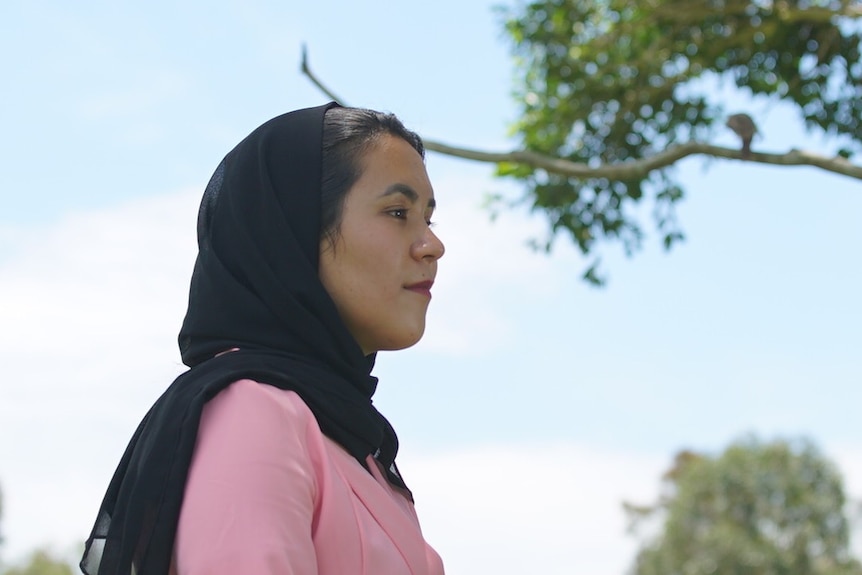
[(408, 192)]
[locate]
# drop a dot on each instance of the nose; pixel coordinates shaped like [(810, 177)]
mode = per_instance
[(428, 246)]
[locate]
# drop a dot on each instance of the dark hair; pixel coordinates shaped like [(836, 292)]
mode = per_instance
[(348, 134)]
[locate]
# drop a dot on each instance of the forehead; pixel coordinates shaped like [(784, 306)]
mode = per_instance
[(392, 160)]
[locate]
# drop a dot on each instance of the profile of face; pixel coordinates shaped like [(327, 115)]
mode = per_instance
[(380, 266)]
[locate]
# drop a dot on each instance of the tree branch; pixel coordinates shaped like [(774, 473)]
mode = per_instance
[(687, 13), (636, 169), (628, 170), (307, 71)]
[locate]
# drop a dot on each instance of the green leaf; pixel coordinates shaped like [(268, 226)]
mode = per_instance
[(609, 81)]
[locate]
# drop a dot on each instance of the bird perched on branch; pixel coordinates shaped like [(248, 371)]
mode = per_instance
[(744, 127)]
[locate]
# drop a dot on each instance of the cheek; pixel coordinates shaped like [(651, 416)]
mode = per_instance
[(367, 266), (338, 279), (359, 281), (373, 266)]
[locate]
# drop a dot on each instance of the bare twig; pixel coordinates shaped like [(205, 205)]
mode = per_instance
[(632, 169), (640, 168), (307, 71)]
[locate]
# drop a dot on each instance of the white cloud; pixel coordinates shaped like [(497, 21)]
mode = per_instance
[(99, 283), (487, 266), (848, 458), (544, 508), (90, 311), (529, 508)]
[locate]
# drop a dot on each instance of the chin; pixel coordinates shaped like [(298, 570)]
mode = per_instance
[(403, 341)]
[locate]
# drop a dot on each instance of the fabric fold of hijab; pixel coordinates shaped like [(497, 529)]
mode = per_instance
[(254, 289)]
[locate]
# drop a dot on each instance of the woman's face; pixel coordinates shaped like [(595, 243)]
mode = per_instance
[(380, 268)]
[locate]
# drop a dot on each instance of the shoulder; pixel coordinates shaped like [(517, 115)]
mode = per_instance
[(251, 417), (253, 485), (258, 404)]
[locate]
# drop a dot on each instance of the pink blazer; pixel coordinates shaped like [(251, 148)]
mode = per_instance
[(268, 493)]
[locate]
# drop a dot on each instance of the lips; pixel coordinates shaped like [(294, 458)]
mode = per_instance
[(423, 288)]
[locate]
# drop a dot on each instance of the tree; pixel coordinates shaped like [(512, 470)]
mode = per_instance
[(757, 509), (42, 563), (613, 93), (1, 517)]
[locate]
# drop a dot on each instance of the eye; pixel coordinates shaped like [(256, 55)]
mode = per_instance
[(399, 213)]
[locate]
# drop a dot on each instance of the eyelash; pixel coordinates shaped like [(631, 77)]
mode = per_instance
[(404, 211)]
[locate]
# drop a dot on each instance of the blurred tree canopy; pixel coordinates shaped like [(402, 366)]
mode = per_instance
[(41, 563), (1, 517), (612, 93), (757, 509)]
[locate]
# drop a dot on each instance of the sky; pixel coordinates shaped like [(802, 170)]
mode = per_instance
[(534, 406)]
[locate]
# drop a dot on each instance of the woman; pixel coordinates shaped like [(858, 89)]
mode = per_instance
[(267, 456)]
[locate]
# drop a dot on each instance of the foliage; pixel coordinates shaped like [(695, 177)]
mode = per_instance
[(42, 563), (757, 509), (605, 82)]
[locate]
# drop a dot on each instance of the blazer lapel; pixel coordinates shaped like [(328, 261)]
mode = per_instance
[(388, 507)]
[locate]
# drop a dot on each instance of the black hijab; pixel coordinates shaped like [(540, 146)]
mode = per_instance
[(254, 287)]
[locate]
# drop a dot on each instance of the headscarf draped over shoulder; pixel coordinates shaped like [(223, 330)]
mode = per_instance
[(254, 288)]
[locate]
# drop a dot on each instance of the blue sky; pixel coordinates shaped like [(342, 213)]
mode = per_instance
[(533, 406)]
